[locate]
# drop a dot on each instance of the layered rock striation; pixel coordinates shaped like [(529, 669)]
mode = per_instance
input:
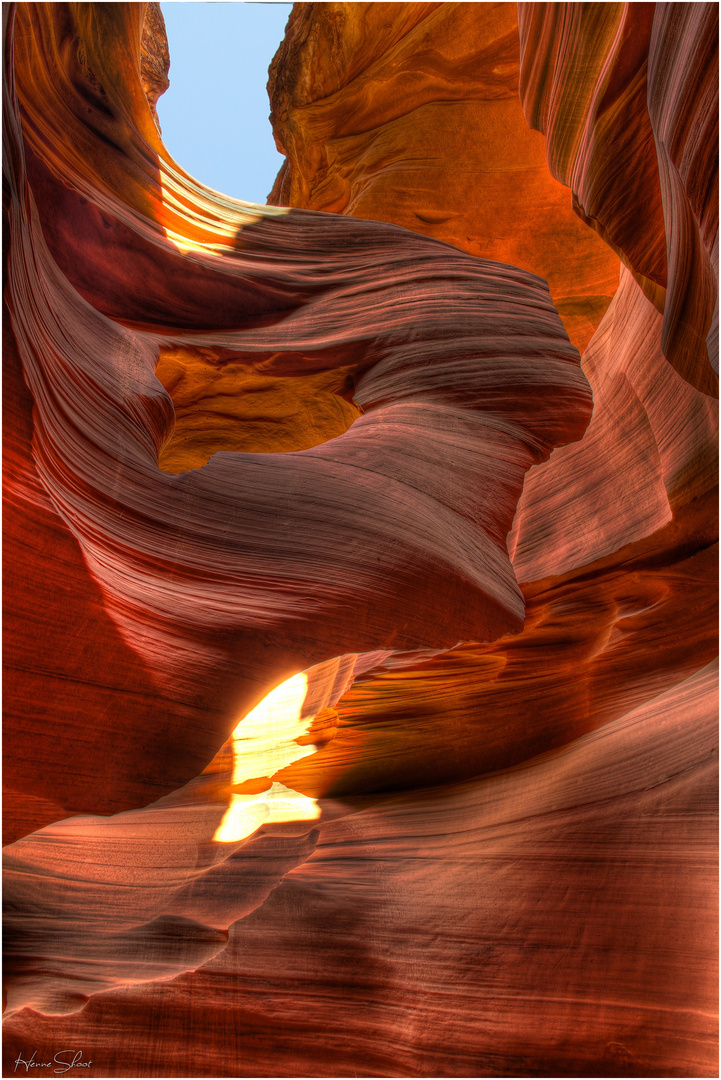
[(343, 448), (417, 120), (226, 578)]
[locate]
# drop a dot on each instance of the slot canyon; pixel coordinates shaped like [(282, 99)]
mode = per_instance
[(360, 551)]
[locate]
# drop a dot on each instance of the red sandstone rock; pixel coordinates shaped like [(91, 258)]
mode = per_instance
[(440, 917), (225, 580), (493, 910), (628, 97)]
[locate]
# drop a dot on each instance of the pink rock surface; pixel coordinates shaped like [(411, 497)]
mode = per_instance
[(627, 95), (494, 910)]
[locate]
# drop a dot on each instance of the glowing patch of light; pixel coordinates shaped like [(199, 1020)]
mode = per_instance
[(263, 743), (199, 210)]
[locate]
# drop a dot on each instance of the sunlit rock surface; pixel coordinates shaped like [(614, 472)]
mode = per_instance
[(416, 119), (360, 645)]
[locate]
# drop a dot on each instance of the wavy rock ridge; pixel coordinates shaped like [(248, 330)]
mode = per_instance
[(353, 440)]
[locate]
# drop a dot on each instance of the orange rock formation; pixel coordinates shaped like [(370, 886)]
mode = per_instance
[(417, 120), (472, 830)]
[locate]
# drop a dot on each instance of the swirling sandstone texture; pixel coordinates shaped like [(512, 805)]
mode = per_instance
[(349, 448), (410, 113)]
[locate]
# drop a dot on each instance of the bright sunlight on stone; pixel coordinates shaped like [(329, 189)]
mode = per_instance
[(263, 743)]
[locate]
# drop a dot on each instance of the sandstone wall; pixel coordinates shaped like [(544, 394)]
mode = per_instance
[(346, 443)]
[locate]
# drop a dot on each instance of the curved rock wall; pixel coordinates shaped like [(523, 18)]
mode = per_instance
[(627, 96), (416, 119), (317, 552), (474, 831)]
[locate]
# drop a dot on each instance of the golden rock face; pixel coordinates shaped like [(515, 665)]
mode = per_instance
[(418, 122), (233, 406)]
